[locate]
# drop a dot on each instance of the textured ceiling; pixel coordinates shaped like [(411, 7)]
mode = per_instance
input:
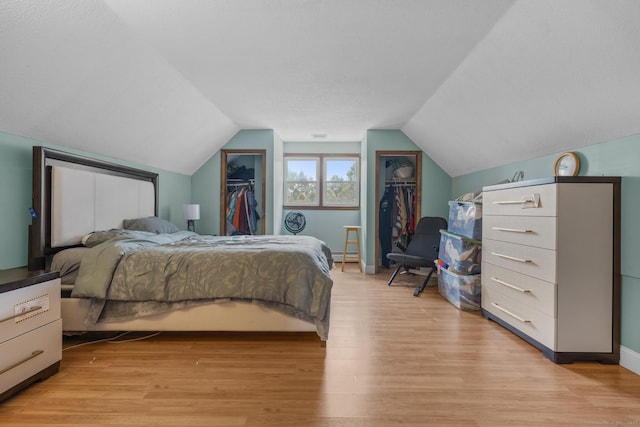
[(167, 83)]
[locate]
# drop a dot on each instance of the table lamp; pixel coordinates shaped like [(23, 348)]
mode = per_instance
[(191, 214)]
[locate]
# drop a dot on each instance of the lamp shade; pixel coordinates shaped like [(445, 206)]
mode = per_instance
[(191, 212)]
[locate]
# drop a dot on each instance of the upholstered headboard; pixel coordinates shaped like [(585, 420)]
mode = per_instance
[(75, 195)]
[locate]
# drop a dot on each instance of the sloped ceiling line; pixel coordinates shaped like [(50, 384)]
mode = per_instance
[(167, 83)]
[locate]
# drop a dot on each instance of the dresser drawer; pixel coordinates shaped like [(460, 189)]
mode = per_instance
[(525, 290), (539, 231), (533, 323), (535, 262), (30, 353), (45, 295), (535, 200)]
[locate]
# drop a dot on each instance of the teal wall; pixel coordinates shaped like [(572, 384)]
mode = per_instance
[(619, 157), (205, 183), (364, 199), (436, 184), (205, 190), (323, 224), (326, 225), (15, 193)]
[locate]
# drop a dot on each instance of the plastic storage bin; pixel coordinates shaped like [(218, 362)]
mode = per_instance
[(465, 219), (460, 254), (463, 291)]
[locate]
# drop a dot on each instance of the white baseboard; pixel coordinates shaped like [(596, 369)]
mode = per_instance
[(630, 359), (337, 261), (338, 257)]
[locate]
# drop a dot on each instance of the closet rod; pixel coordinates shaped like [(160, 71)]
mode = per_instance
[(240, 183), (400, 184)]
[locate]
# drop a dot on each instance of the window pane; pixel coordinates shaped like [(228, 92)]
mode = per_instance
[(341, 193), (301, 182), (302, 170), (341, 182), (341, 170), (302, 193)]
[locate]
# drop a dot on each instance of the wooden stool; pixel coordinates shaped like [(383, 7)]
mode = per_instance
[(347, 242)]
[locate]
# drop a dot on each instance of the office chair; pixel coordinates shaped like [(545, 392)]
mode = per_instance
[(422, 250)]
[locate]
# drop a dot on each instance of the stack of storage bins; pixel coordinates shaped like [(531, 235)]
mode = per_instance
[(460, 256)]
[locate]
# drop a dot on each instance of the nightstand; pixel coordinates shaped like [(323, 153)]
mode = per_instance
[(30, 328)]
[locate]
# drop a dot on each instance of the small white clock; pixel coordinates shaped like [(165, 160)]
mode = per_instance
[(567, 164)]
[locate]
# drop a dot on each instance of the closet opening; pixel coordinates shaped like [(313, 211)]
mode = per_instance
[(399, 198), (242, 196)]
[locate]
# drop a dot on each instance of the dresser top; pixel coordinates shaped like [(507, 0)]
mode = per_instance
[(16, 278), (555, 179)]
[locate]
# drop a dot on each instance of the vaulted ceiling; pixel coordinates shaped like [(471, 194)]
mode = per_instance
[(474, 83)]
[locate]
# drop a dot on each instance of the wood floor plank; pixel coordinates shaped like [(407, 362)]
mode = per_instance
[(391, 359)]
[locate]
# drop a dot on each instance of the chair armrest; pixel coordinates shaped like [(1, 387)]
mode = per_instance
[(400, 246)]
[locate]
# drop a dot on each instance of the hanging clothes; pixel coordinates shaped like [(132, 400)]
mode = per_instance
[(238, 213), (384, 224), (254, 216), (242, 213), (397, 218)]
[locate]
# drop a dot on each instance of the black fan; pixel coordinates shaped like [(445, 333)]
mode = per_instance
[(294, 222)]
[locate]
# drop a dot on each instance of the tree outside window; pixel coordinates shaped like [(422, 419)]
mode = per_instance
[(335, 185), (301, 184), (341, 188)]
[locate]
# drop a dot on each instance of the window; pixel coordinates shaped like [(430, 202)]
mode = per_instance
[(301, 182), (341, 182), (322, 181)]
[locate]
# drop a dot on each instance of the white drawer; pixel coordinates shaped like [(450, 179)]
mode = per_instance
[(535, 200), (535, 262), (45, 295), (30, 353), (539, 231), (535, 324), (525, 290)]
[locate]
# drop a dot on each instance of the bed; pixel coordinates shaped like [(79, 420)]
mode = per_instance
[(125, 269)]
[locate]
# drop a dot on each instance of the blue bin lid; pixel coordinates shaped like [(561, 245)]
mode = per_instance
[(457, 236), (466, 202)]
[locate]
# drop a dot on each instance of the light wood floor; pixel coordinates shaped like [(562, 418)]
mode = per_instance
[(391, 359)]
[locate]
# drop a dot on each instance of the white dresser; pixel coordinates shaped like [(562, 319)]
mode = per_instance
[(30, 328), (551, 264)]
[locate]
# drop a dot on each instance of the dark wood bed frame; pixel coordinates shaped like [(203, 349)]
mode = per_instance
[(40, 228)]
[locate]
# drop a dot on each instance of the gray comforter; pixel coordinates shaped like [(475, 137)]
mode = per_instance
[(136, 274)]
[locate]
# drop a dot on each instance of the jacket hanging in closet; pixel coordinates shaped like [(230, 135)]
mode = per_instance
[(397, 218), (242, 211)]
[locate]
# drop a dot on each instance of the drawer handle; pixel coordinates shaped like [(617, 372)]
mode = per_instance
[(512, 230), (512, 258), (533, 199), (35, 353), (510, 313), (509, 285), (30, 310)]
